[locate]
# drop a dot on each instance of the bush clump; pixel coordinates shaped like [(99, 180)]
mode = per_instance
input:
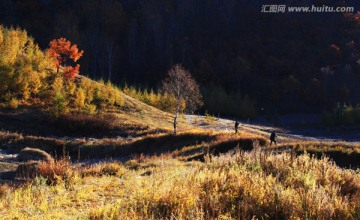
[(56, 172), (28, 154), (13, 103)]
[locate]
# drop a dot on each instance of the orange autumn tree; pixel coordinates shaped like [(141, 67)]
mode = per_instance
[(61, 49)]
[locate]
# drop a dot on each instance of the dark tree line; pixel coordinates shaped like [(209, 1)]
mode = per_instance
[(284, 62)]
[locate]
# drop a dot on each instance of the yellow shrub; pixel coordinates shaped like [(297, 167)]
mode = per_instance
[(119, 99), (90, 109), (13, 103), (57, 85), (23, 65), (110, 93), (79, 101), (70, 87), (88, 86), (60, 105)]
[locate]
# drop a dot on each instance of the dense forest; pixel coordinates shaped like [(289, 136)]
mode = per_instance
[(246, 62)]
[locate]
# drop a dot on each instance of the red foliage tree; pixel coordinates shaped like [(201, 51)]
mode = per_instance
[(61, 49)]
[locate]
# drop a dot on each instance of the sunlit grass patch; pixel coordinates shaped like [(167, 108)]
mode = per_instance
[(238, 185), (111, 169)]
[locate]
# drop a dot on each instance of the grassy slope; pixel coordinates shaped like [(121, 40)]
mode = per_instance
[(135, 112), (35, 120)]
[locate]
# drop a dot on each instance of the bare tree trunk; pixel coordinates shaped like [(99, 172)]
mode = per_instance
[(175, 119), (181, 86)]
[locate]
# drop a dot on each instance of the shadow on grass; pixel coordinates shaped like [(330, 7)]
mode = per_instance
[(245, 144), (38, 122), (151, 145), (148, 145), (344, 160), (345, 156), (13, 143)]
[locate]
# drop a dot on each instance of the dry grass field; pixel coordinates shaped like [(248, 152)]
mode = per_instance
[(235, 185)]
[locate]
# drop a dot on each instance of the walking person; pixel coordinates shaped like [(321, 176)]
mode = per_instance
[(175, 119), (272, 138), (236, 127)]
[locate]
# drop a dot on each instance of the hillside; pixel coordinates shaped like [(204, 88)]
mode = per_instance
[(143, 129), (37, 120)]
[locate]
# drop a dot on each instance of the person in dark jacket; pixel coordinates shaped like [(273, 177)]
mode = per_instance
[(236, 127), (272, 137)]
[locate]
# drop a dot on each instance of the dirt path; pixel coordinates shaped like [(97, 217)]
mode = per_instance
[(283, 135)]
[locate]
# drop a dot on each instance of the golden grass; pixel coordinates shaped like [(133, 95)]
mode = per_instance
[(236, 185), (111, 169), (135, 112)]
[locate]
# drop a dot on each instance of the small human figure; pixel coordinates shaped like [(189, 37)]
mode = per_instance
[(236, 127), (175, 125), (272, 137)]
